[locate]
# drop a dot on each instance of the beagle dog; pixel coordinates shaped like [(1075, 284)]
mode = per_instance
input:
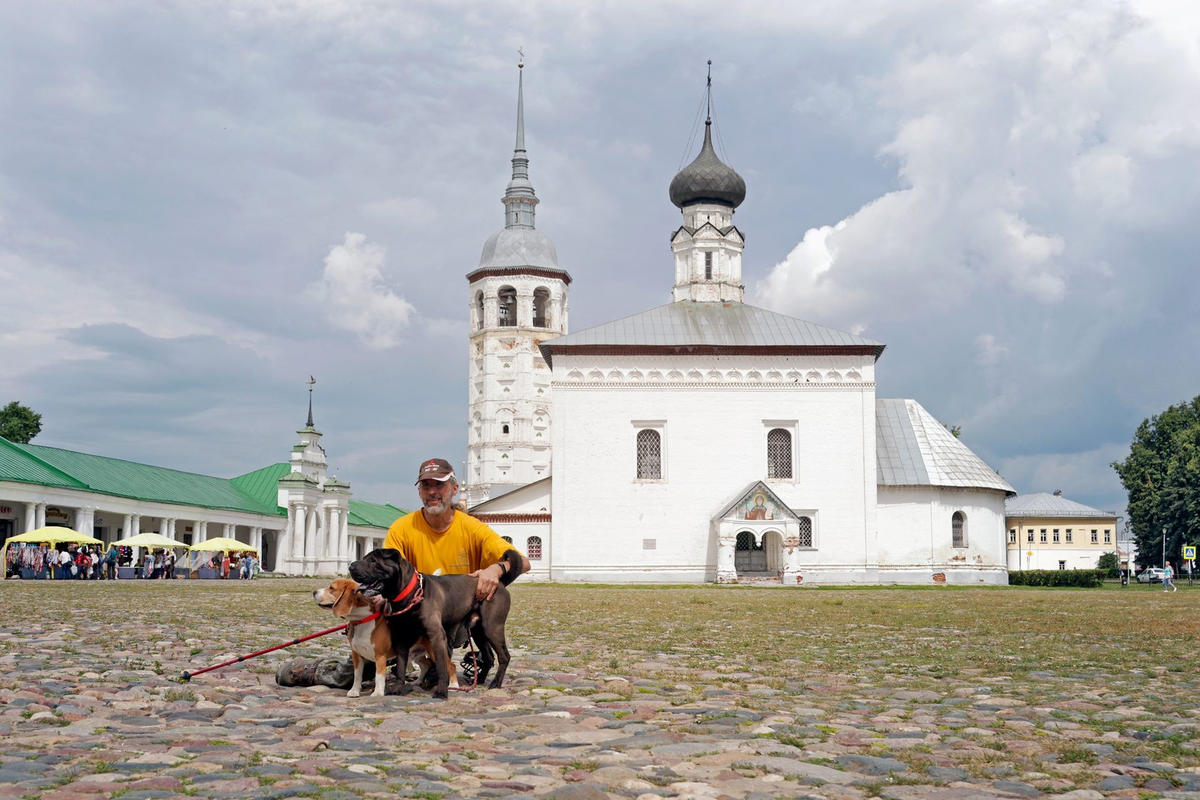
[(372, 640)]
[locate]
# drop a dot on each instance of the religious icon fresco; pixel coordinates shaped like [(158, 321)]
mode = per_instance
[(757, 506)]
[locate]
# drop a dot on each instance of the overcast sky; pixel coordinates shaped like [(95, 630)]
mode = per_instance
[(201, 204)]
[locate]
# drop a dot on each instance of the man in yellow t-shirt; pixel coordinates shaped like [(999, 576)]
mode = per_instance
[(437, 539), (440, 540)]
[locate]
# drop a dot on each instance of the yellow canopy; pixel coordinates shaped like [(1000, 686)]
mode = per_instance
[(223, 544), (150, 540), (51, 534)]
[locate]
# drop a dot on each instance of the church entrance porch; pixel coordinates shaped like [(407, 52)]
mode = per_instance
[(758, 555)]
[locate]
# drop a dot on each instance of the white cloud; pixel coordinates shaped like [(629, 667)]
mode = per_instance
[(354, 296)]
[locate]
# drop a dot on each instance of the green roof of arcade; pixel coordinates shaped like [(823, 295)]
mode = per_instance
[(255, 492)]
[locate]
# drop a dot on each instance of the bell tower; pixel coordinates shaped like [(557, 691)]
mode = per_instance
[(517, 300)]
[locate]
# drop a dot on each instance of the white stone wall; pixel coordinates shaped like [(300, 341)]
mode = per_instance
[(1048, 558), (509, 384), (520, 532), (714, 413), (915, 535)]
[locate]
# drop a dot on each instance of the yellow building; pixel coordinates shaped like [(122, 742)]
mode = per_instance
[(1048, 531)]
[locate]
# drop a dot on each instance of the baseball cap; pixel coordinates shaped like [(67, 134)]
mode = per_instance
[(437, 469)]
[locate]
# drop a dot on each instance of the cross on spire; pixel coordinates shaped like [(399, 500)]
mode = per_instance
[(311, 383)]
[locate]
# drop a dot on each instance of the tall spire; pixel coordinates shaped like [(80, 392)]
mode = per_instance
[(708, 109), (519, 197), (311, 382)]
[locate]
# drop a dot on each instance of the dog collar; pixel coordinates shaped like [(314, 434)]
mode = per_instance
[(412, 585)]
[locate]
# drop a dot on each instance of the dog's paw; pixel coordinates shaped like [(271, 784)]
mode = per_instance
[(440, 693), (353, 693)]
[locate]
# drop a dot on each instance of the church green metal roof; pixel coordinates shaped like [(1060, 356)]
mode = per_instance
[(255, 492)]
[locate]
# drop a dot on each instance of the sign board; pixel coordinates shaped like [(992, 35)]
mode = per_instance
[(1189, 552), (1030, 554)]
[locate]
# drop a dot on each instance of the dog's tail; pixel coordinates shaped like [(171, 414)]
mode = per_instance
[(513, 559)]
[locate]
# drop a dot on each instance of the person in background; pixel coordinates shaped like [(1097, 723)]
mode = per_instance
[(1168, 579), (110, 561), (225, 567)]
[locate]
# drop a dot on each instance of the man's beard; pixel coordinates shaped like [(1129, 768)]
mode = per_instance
[(436, 506)]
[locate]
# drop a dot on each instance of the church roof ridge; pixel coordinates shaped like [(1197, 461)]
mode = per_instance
[(727, 324)]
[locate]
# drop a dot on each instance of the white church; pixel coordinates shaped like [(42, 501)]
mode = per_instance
[(705, 439)]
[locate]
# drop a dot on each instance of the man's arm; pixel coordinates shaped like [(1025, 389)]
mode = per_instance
[(492, 548)]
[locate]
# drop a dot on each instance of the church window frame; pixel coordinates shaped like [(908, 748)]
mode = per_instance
[(806, 531), (708, 265), (541, 307), (533, 548), (958, 529), (506, 307), (779, 459), (650, 451)]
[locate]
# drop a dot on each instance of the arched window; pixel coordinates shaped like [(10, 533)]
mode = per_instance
[(958, 527), (533, 548), (478, 310), (541, 305), (504, 429), (649, 455), (507, 539), (805, 538), (779, 454), (508, 307)]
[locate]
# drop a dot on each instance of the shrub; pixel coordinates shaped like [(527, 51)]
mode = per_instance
[(1077, 578)]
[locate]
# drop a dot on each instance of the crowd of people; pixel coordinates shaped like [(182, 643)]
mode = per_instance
[(94, 563)]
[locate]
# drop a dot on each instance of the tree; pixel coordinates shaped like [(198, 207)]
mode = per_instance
[(1108, 563), (1162, 476), (955, 430), (19, 423)]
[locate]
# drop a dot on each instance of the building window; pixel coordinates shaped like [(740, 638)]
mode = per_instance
[(478, 310), (779, 454), (1042, 536), (1069, 537), (508, 307), (1095, 540), (1108, 537), (708, 266), (1056, 535), (533, 548), (541, 302), (1029, 537), (504, 429), (805, 538), (1062, 565), (958, 527), (507, 539), (1012, 535), (649, 455)]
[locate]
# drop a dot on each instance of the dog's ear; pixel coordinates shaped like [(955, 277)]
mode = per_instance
[(345, 602), (513, 559)]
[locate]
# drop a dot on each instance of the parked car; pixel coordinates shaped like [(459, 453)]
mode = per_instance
[(1151, 575)]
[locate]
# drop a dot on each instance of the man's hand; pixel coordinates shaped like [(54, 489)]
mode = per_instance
[(378, 603), (489, 581)]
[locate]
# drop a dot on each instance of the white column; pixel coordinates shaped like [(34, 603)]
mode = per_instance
[(30, 517), (127, 526), (40, 516), (171, 528), (299, 534), (791, 556), (227, 530), (162, 526), (335, 536), (726, 548), (310, 538), (135, 524)]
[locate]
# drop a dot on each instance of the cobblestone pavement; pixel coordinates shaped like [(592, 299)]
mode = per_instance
[(698, 692)]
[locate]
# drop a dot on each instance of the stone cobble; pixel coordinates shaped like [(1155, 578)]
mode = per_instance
[(93, 710)]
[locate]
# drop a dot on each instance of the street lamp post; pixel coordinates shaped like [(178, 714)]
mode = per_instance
[(1164, 548)]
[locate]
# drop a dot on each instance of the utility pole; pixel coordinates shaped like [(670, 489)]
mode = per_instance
[(1164, 548)]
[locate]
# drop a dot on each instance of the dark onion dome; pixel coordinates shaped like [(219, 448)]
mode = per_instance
[(708, 179)]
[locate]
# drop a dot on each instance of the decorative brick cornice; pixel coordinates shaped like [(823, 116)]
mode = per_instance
[(517, 272), (499, 518)]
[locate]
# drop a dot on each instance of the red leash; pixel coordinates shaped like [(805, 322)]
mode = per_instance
[(415, 583)]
